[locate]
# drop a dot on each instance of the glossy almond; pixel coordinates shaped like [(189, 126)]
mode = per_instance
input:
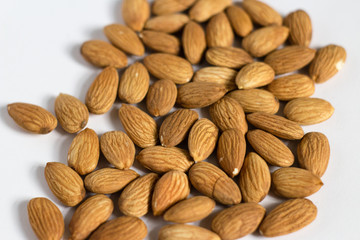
[(219, 32), (253, 75), (219, 75), (161, 42), (240, 20), (135, 13), (262, 13), (299, 24), (161, 97), (230, 57), (163, 7), (194, 42), (204, 9), (186, 232), (169, 23)]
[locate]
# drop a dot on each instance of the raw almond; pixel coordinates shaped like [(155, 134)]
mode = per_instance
[(172, 187), (299, 24), (186, 232), (240, 20), (102, 93), (161, 97), (230, 57), (84, 152), (219, 32), (204, 9), (308, 111), (253, 75), (175, 127), (140, 127), (134, 83), (135, 13), (220, 75), (262, 13), (167, 23), (163, 7), (161, 42), (272, 149), (32, 118), (194, 42), (314, 153), (288, 217)]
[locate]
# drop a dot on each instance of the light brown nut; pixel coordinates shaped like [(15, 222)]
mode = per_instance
[(172, 187), (169, 23), (84, 152), (238, 221), (194, 42), (288, 217), (176, 126), (219, 75), (109, 180), (102, 93), (118, 149), (135, 13), (64, 183), (140, 127), (230, 57), (45, 219), (308, 111), (204, 9), (219, 32), (161, 97), (160, 41), (163, 7), (190, 210), (134, 83), (186, 232), (135, 199), (253, 75), (262, 13), (89, 215), (103, 54), (299, 24), (272, 149), (240, 20), (255, 178), (32, 118), (314, 152)]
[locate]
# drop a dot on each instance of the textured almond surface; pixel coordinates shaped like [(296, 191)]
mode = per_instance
[(230, 57), (169, 23), (299, 24), (240, 20), (262, 13), (253, 75), (186, 232), (161, 97), (219, 32), (204, 9), (135, 13), (163, 7), (161, 42), (220, 75), (194, 42)]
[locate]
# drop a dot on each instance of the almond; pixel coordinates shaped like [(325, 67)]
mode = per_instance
[(299, 24), (240, 20), (262, 13), (204, 9), (219, 75), (135, 13), (32, 118), (272, 149), (167, 23), (253, 75), (219, 32), (228, 57), (161, 42), (194, 42), (308, 111), (140, 127), (161, 97), (163, 7), (186, 232), (172, 187)]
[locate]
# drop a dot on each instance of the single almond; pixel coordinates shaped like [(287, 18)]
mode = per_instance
[(135, 13), (253, 75), (163, 7), (186, 232), (161, 97), (169, 23), (230, 57), (262, 13), (219, 75), (32, 118), (205, 9), (161, 42), (240, 20), (219, 32), (194, 42), (299, 24)]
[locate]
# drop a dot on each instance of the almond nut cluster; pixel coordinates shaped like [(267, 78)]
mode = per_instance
[(239, 88)]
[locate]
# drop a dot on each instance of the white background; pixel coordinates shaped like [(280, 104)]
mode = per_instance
[(39, 58)]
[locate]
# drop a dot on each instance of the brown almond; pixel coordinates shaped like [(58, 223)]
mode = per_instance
[(253, 75), (219, 75), (135, 13), (240, 20), (204, 9), (161, 42), (230, 57), (161, 97), (219, 32), (262, 13), (163, 7), (169, 23), (299, 24), (186, 232), (194, 42)]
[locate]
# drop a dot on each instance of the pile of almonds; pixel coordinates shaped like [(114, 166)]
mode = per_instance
[(239, 91)]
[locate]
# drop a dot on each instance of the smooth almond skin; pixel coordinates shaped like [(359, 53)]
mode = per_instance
[(45, 219), (135, 13), (314, 152), (240, 20), (126, 227), (255, 178), (276, 125), (190, 210), (140, 127), (84, 152), (194, 42), (124, 38), (161, 97), (163, 7), (186, 232), (103, 54), (134, 83), (169, 23), (238, 221), (262, 13), (164, 159), (230, 57), (292, 86), (172, 187), (102, 93), (32, 118), (219, 75), (254, 75), (288, 217), (89, 215), (264, 40), (118, 149), (109, 180), (71, 113), (289, 59), (176, 126), (299, 24), (64, 183), (168, 66), (161, 42), (256, 100), (135, 199), (327, 62), (272, 149), (202, 139), (204, 9), (308, 111), (219, 32)]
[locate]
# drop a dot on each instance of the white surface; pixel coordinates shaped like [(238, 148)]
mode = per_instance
[(39, 58)]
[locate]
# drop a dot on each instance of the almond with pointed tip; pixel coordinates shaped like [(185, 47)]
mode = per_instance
[(230, 57), (169, 23), (262, 13), (161, 97), (240, 20), (186, 232), (163, 7), (205, 9), (299, 24), (254, 75), (219, 32), (160, 42), (219, 75), (135, 13), (194, 42)]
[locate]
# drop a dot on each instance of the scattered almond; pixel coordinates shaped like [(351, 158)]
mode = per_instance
[(240, 20), (194, 42), (163, 7), (204, 9), (161, 42), (169, 23), (299, 24), (219, 32), (253, 75), (262, 13), (230, 57), (135, 13), (219, 75), (161, 97), (186, 232)]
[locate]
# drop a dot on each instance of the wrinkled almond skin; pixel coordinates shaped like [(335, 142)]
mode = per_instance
[(140, 127), (314, 152), (219, 75), (255, 178), (230, 57), (135, 13), (164, 159), (89, 215), (176, 126), (109, 180), (161, 42), (32, 118), (102, 93), (219, 32), (194, 42), (238, 221), (103, 54), (64, 183), (299, 24), (288, 217), (262, 13), (135, 199), (172, 187), (45, 219), (272, 149), (84, 152), (253, 75), (204, 9), (169, 23), (118, 149), (163, 7), (240, 20), (186, 232), (161, 97)]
